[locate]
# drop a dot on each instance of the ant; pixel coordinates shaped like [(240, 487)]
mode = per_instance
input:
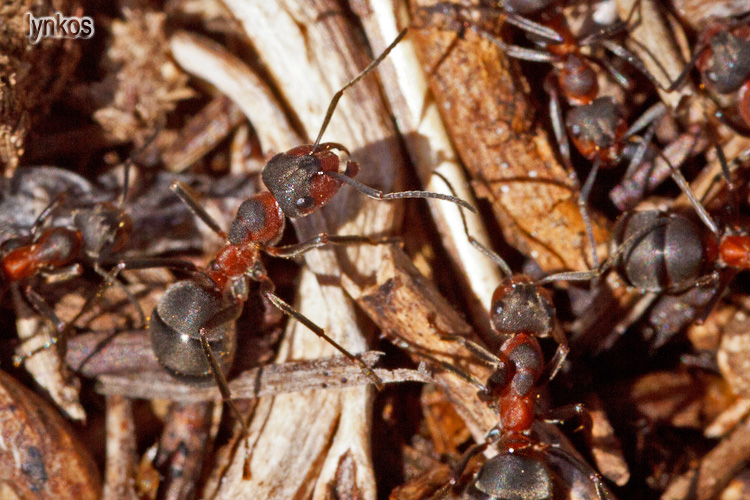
[(522, 468), (596, 124), (191, 326), (93, 236), (522, 312), (665, 251), (723, 61)]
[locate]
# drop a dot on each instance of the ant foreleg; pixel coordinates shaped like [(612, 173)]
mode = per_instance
[(111, 279), (40, 306), (322, 239), (554, 365)]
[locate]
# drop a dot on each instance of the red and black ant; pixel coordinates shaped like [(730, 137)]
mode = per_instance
[(91, 235), (668, 252), (596, 124), (523, 468), (722, 58), (521, 311), (191, 326)]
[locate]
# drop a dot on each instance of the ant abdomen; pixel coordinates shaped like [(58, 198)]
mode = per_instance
[(727, 66), (521, 475), (664, 252), (597, 129), (175, 328)]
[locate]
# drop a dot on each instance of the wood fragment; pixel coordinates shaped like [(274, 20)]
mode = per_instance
[(431, 151), (716, 469), (121, 450), (182, 448), (202, 133), (512, 161), (293, 376)]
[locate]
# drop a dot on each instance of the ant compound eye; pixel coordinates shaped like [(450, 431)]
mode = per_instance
[(305, 203)]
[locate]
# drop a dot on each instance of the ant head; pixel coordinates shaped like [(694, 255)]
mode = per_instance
[(521, 305), (578, 80), (526, 7), (597, 129), (661, 251), (104, 228), (175, 328), (522, 475), (726, 66), (297, 180)]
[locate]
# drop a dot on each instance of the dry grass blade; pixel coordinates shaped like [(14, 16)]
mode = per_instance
[(293, 376)]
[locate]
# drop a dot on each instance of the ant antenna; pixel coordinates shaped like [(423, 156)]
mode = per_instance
[(685, 187), (504, 267), (129, 162), (337, 95)]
